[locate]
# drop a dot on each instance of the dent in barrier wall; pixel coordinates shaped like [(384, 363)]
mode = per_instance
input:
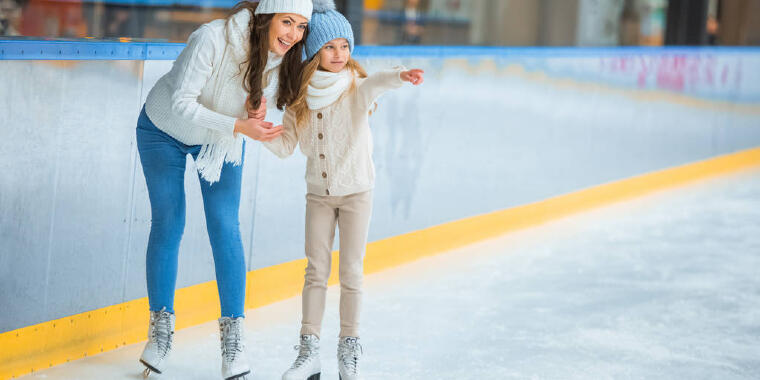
[(485, 133)]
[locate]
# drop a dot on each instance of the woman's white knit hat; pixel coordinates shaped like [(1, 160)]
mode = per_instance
[(299, 7)]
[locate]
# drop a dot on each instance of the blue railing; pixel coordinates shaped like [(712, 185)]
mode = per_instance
[(87, 50), (24, 49)]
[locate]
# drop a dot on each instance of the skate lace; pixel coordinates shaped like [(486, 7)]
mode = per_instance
[(349, 353), (305, 353), (161, 334), (232, 341)]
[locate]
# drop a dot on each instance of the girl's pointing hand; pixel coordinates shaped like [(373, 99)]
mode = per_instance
[(413, 76)]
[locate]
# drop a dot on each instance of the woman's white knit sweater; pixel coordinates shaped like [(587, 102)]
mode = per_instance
[(337, 140), (199, 100)]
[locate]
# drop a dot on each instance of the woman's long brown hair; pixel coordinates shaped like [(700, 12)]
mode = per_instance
[(299, 106), (290, 69)]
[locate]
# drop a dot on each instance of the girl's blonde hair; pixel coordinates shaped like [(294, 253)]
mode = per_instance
[(299, 106)]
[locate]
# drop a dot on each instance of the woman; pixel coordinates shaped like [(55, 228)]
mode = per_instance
[(199, 108)]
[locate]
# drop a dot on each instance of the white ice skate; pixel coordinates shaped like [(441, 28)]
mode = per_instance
[(307, 365), (234, 362), (160, 335), (349, 352)]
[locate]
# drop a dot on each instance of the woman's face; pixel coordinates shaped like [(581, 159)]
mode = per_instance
[(286, 30), (334, 55)]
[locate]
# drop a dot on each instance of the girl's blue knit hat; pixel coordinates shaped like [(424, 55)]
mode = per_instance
[(326, 25)]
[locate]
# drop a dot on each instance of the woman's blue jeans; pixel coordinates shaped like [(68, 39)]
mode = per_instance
[(163, 160)]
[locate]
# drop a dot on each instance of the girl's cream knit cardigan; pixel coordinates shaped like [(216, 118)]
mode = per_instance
[(337, 140)]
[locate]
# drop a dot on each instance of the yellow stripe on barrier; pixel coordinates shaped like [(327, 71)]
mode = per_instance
[(44, 345)]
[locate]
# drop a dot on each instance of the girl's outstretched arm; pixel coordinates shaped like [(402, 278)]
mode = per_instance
[(378, 83), (284, 145)]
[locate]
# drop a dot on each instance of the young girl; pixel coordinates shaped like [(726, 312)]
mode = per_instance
[(329, 121)]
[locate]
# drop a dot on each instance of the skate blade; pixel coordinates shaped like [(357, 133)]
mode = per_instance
[(314, 376), (146, 373), (242, 376), (148, 370)]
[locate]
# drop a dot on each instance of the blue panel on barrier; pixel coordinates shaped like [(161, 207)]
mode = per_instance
[(81, 50), (515, 51), (164, 51), (99, 50)]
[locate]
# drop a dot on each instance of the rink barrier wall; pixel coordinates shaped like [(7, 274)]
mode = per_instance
[(105, 329), (554, 168)]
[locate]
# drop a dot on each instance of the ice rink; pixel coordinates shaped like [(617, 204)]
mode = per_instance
[(662, 287)]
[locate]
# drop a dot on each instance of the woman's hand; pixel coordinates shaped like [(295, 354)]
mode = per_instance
[(260, 113), (413, 76), (258, 130)]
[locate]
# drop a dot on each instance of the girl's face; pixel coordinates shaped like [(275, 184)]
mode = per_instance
[(334, 55), (286, 30)]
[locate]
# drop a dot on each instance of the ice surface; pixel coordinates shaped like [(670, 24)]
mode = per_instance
[(661, 287)]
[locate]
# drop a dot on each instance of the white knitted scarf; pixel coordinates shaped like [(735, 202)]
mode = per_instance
[(326, 87), (224, 148)]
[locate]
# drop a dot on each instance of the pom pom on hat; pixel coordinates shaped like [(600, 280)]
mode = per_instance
[(324, 5)]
